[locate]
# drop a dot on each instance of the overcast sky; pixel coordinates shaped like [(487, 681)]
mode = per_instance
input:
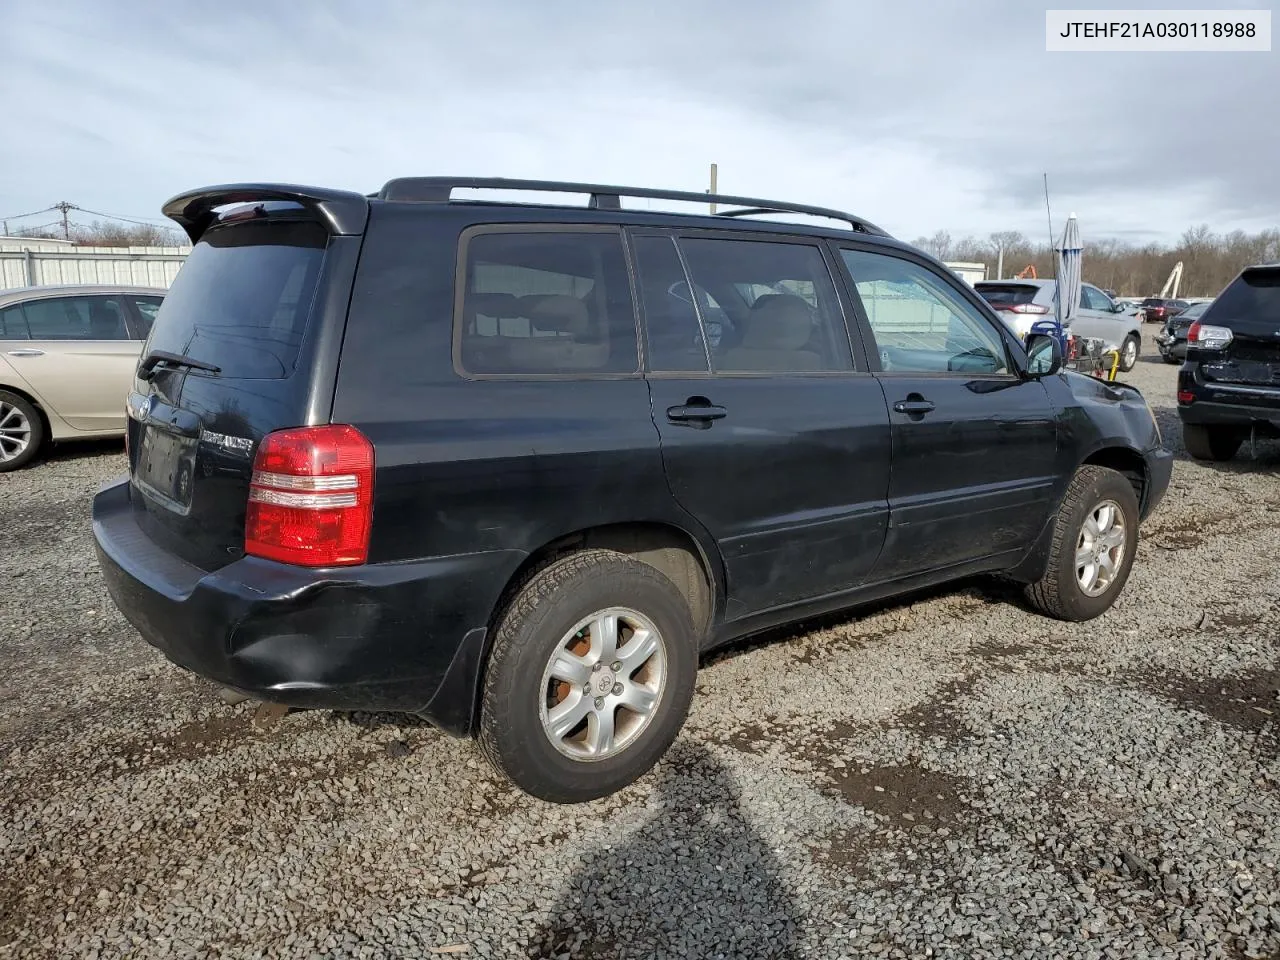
[(918, 116)]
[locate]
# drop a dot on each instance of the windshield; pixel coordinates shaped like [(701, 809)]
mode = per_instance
[(242, 299), (1252, 300)]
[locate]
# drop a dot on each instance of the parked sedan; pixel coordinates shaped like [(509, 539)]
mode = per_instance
[(1172, 338), (67, 358), (1021, 303)]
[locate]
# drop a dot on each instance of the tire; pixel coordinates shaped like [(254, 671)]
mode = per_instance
[(1211, 443), (543, 618), (21, 432), (1130, 350), (1060, 593)]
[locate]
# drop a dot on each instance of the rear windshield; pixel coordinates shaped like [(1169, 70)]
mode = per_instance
[(1153, 302), (1010, 293), (242, 299), (1250, 300)]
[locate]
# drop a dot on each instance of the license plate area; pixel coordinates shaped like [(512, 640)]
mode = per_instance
[(165, 468)]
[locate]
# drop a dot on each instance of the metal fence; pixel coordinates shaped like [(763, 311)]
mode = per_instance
[(41, 264)]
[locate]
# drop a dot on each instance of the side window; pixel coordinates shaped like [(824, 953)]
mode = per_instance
[(13, 325), (768, 306), (920, 324), (148, 307), (1094, 299), (671, 322), (546, 302), (76, 318)]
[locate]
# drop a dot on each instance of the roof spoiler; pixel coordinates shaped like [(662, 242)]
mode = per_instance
[(343, 212)]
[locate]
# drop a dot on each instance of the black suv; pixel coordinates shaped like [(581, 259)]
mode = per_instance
[(1229, 386), (514, 467)]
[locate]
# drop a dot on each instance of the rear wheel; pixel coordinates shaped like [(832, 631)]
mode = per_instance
[(1211, 443), (590, 677), (1129, 353), (1094, 539), (21, 431)]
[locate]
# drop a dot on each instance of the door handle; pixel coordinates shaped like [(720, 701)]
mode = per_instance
[(26, 353), (698, 410), (914, 406)]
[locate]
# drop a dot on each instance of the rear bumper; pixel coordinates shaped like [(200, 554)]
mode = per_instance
[(1228, 404), (402, 637)]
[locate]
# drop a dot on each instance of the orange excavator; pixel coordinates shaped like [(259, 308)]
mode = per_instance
[(1027, 273)]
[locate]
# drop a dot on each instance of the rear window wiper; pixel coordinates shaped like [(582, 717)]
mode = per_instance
[(147, 368)]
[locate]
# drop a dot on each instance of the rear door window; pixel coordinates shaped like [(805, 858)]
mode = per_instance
[(76, 318), (779, 302), (545, 302), (243, 298), (675, 338)]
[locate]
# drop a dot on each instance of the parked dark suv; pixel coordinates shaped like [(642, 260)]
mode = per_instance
[(1229, 386), (515, 467)]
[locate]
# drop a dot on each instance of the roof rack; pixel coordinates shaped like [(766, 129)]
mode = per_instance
[(604, 197)]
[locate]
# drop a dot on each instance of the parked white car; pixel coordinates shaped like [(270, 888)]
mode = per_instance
[(1022, 303), (67, 359)]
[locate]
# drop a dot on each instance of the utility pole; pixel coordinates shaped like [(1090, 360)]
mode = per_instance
[(713, 188), (65, 208), (1000, 262)]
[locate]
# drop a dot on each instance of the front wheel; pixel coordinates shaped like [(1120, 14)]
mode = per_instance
[(1094, 539), (1211, 443), (1129, 353), (590, 677)]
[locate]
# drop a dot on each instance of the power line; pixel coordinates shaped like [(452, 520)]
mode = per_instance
[(112, 216), (19, 216)]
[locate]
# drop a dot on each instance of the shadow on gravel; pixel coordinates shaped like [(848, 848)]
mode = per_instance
[(695, 881)]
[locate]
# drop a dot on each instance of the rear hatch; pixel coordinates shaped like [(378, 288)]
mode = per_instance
[(246, 341), (1250, 309)]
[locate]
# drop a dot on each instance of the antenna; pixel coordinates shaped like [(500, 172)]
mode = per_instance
[(1057, 289)]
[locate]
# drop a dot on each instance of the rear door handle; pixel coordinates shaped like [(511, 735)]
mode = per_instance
[(696, 413), (26, 353), (914, 408)]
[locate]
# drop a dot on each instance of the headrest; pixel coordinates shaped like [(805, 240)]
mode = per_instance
[(558, 312), (778, 321), (497, 305), (104, 323)]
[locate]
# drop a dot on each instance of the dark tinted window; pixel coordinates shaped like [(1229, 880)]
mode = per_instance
[(242, 299), (675, 339), (13, 325), (148, 307), (1153, 302), (1252, 300), (76, 318), (1008, 294), (547, 302), (773, 305)]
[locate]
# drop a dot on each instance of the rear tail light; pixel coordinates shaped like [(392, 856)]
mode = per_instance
[(311, 497), (1186, 396), (1208, 337), (1024, 308)]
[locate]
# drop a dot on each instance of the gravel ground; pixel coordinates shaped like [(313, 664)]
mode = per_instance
[(947, 777)]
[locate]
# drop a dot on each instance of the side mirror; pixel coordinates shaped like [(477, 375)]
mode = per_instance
[(1044, 355), (1118, 308)]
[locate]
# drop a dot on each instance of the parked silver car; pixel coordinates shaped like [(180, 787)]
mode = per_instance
[(67, 357), (1021, 303)]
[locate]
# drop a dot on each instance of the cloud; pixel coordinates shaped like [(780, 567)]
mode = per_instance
[(917, 116)]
